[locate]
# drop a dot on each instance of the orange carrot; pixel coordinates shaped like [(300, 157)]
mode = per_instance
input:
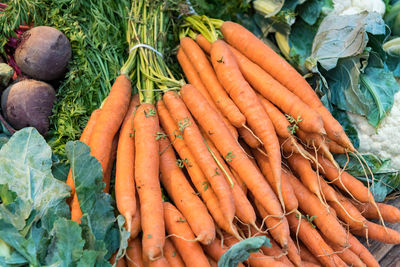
[(124, 176), (256, 259), (289, 197), (346, 255), (362, 252), (271, 62), (194, 141), (249, 138), (136, 226), (160, 262), (389, 213), (216, 249), (146, 177), (110, 166), (203, 43), (194, 79), (309, 264), (210, 81), (243, 208), (231, 150), (121, 262), (239, 181), (325, 221), (246, 99), (335, 147), (172, 255), (378, 232), (212, 262), (183, 237), (279, 95), (181, 193), (307, 256), (134, 253), (302, 167), (195, 173), (314, 242), (113, 112)]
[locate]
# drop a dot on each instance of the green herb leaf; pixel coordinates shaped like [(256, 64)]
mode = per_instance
[(229, 156)]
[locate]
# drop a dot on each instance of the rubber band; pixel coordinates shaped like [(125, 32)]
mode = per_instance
[(146, 46)]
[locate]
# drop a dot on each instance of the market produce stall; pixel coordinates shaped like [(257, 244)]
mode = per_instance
[(204, 133)]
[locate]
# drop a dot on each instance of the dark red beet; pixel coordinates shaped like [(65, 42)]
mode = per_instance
[(28, 103), (44, 53)]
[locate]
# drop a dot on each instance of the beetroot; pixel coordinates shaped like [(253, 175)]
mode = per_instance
[(43, 53), (28, 103)]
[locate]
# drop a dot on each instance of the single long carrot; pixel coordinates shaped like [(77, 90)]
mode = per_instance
[(249, 138), (306, 255), (133, 255), (136, 226), (245, 98), (302, 167), (194, 79), (196, 175), (279, 95), (203, 43), (195, 142), (346, 255), (325, 221), (125, 191), (183, 237), (361, 251), (228, 146), (258, 52), (216, 249), (146, 177), (389, 213), (256, 259), (243, 208), (210, 81), (289, 197), (113, 112), (314, 242), (183, 195), (172, 255), (110, 166)]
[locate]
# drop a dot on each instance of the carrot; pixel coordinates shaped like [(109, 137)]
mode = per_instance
[(309, 264), (335, 147), (302, 167), (146, 177), (212, 262), (136, 227), (278, 228), (113, 112), (274, 250), (195, 142), (307, 256), (172, 255), (249, 138), (231, 150), (133, 255), (121, 262), (346, 255), (124, 175), (160, 262), (289, 197), (110, 166), (389, 213), (362, 252), (325, 221), (183, 195), (239, 181), (256, 259), (85, 137), (216, 249), (280, 96), (314, 242), (195, 173), (258, 52), (243, 208), (294, 253), (316, 142), (210, 80), (203, 43), (194, 79), (246, 99), (378, 232), (183, 237), (345, 181)]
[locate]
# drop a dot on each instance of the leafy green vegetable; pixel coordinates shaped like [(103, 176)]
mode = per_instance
[(312, 9), (240, 251), (386, 179), (344, 36)]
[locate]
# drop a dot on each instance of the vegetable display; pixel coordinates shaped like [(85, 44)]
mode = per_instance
[(224, 141)]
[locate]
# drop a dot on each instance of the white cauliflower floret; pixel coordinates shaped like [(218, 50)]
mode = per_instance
[(350, 7), (385, 142)]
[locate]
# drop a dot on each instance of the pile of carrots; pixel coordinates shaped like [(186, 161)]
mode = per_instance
[(244, 149)]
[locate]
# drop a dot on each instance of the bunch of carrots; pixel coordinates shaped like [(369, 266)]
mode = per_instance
[(243, 149)]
